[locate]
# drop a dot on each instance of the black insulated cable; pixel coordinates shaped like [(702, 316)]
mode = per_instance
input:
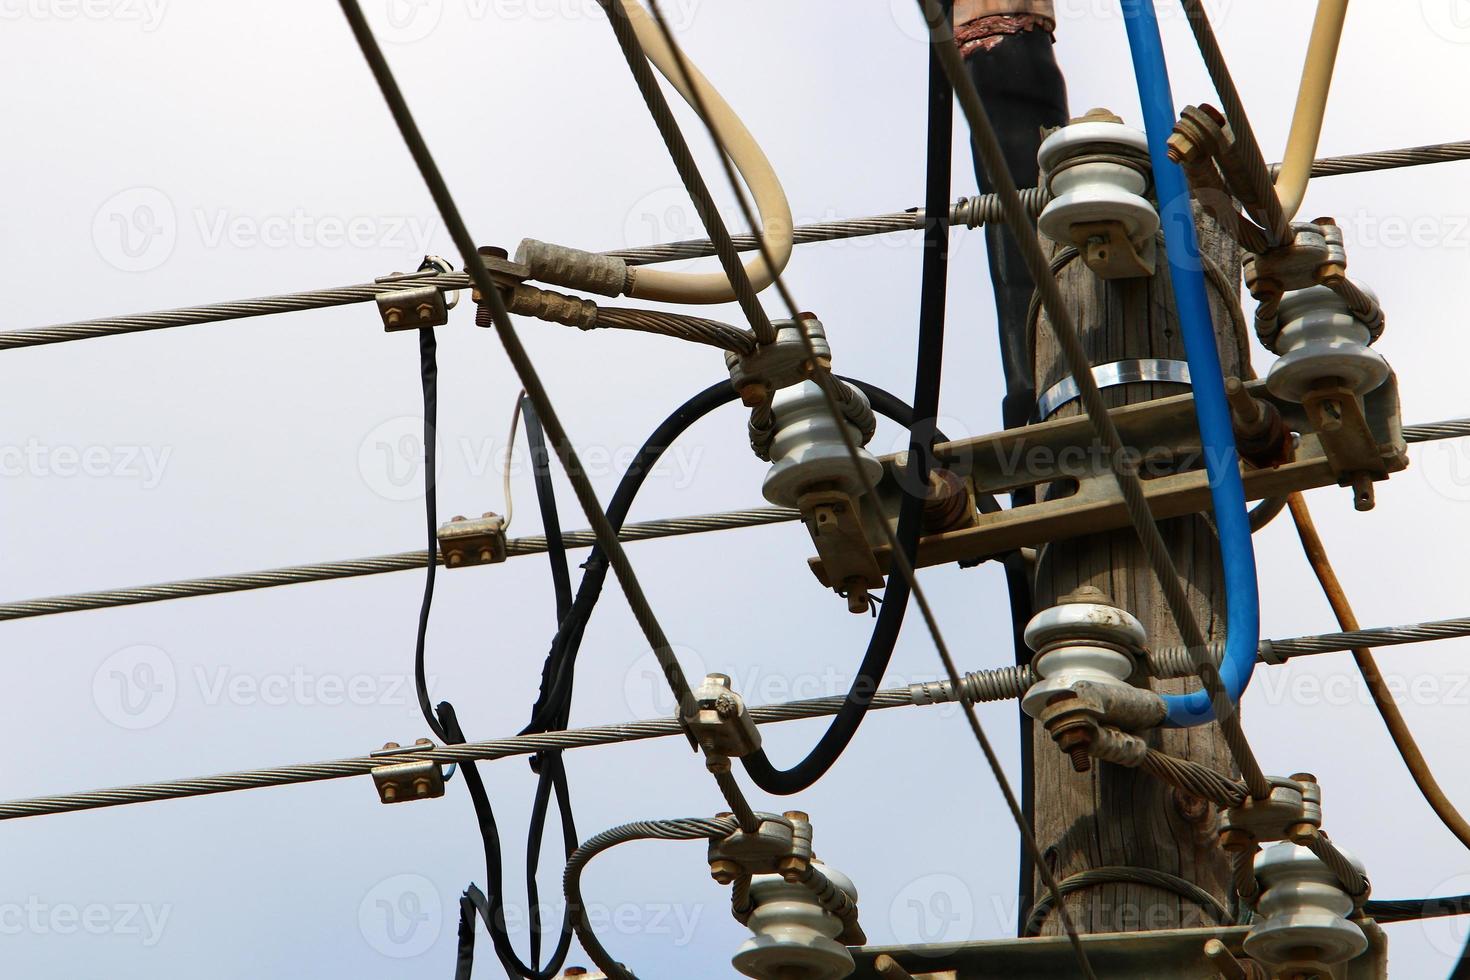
[(933, 292)]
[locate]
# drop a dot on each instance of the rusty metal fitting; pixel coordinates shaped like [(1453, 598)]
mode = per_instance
[(464, 542), (1261, 436), (409, 780), (1072, 724), (948, 504), (759, 851), (416, 306), (785, 361), (1292, 812), (724, 871)]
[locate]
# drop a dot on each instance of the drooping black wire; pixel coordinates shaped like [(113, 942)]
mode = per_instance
[(445, 724), (551, 776), (932, 297)]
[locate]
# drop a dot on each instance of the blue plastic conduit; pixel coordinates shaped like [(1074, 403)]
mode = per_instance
[(1243, 623)]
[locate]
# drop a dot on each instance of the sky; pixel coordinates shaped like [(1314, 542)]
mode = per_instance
[(165, 152)]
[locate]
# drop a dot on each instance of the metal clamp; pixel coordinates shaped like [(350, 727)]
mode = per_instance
[(414, 779), (721, 722), (1112, 374), (417, 307), (464, 542)]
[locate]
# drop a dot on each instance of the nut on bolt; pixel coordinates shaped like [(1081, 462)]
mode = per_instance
[(725, 871), (1073, 732)]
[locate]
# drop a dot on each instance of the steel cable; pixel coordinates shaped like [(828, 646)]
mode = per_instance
[(402, 561)]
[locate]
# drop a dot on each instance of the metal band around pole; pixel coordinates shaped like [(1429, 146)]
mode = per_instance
[(1112, 374)]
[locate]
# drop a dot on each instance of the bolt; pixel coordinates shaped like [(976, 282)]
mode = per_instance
[(797, 816), (392, 316), (422, 786), (493, 252), (390, 745), (487, 555), (1235, 839), (1301, 833), (454, 559), (791, 868), (390, 793), (754, 393), (725, 871)]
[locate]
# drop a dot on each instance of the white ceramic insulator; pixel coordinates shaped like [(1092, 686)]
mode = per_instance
[(1100, 191), (1302, 910), (793, 936), (1070, 626), (1321, 339), (808, 448)]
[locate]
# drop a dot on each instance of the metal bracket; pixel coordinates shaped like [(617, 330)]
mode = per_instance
[(1079, 494), (464, 542), (834, 520), (1111, 254), (403, 782)]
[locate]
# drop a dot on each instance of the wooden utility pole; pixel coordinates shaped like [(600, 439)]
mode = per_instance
[(1112, 816)]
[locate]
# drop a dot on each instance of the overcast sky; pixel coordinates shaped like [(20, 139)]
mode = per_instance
[(165, 152)]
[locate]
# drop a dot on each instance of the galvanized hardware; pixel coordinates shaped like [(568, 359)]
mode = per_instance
[(416, 307), (1064, 457), (834, 519), (479, 541), (782, 363), (794, 936), (1293, 812), (721, 722), (808, 449), (1302, 923), (1320, 339), (1178, 954), (1082, 638), (1097, 171), (414, 779), (1111, 374), (1314, 256), (781, 845)]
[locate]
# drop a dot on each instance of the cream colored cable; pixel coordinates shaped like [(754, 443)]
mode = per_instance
[(661, 285), (1311, 105)]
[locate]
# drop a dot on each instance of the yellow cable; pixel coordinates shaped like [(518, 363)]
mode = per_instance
[(664, 286), (1311, 105), (1403, 739)]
